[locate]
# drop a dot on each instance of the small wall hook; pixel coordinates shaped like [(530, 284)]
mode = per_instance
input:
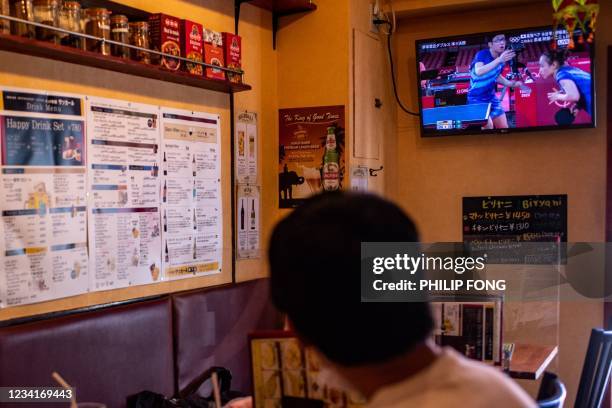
[(374, 171)]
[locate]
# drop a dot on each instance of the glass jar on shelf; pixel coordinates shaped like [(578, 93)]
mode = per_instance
[(22, 9), (97, 24), (70, 19), (139, 37), (47, 12), (5, 25), (120, 32)]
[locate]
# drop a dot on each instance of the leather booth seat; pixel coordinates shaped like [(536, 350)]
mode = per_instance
[(211, 329), (157, 345), (106, 354)]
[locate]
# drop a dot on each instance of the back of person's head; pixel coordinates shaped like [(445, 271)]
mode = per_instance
[(315, 260)]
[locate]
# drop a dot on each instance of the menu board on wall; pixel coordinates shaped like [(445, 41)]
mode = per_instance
[(248, 221), (311, 152), (43, 189), (101, 194), (505, 222), (192, 238), (124, 224), (245, 145)]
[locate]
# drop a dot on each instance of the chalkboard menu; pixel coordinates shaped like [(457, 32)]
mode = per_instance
[(512, 225)]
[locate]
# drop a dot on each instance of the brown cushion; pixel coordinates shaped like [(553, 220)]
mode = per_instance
[(212, 327), (106, 354)]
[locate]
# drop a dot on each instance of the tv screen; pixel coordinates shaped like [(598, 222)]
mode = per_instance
[(504, 81)]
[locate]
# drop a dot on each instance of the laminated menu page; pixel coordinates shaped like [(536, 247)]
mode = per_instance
[(44, 198), (192, 231), (124, 200), (248, 236), (245, 143)]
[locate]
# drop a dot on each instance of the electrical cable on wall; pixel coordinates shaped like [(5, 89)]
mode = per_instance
[(379, 23)]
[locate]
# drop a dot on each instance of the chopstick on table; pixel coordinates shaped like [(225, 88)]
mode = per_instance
[(215, 383)]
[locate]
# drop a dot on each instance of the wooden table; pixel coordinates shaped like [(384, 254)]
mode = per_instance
[(529, 361)]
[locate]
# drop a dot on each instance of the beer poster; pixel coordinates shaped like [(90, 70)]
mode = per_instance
[(311, 153)]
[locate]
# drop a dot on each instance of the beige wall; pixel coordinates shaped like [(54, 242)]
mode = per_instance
[(434, 174)]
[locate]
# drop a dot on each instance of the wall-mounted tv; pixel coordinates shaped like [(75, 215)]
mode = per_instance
[(505, 81)]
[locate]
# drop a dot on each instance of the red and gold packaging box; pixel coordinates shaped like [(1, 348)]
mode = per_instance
[(192, 45), (165, 34), (232, 51), (213, 54)]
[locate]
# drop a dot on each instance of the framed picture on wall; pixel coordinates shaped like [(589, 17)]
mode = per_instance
[(311, 153)]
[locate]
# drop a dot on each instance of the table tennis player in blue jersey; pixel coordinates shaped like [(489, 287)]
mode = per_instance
[(574, 83), (486, 69)]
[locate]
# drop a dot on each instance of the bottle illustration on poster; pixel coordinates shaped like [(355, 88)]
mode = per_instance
[(251, 145), (242, 214), (253, 221), (331, 165), (195, 249), (241, 143)]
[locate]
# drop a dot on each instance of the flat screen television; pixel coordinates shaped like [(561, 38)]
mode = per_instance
[(505, 81)]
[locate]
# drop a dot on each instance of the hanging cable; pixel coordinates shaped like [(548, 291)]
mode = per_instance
[(391, 62)]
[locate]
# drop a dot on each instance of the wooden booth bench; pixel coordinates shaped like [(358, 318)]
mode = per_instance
[(160, 344)]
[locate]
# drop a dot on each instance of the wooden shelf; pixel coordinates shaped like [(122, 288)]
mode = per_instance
[(284, 7), (279, 8), (132, 13), (74, 56)]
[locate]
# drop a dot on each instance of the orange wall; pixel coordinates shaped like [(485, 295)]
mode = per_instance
[(259, 62), (313, 68), (434, 174), (308, 68), (428, 177), (313, 57)]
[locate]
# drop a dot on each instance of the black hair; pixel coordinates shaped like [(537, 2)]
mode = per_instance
[(489, 38), (559, 56), (315, 277)]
